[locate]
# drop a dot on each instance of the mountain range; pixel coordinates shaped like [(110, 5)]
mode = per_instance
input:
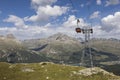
[(68, 49), (12, 50), (58, 48)]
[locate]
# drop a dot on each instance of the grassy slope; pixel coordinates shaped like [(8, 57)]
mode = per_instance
[(46, 71)]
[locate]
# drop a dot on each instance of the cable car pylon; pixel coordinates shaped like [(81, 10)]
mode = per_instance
[(87, 31)]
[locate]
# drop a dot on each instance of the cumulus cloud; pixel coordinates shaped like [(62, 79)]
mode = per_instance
[(98, 32), (111, 22), (6, 30), (112, 2), (72, 22), (96, 14), (68, 27), (48, 10), (33, 31), (17, 21), (37, 3), (99, 2), (28, 33), (111, 25), (45, 10)]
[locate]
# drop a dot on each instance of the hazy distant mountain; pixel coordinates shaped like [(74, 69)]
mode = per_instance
[(58, 47), (11, 50), (68, 49), (10, 36)]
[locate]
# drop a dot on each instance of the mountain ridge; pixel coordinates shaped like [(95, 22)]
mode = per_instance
[(59, 48)]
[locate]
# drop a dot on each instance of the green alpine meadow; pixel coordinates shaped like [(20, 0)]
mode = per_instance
[(51, 71)]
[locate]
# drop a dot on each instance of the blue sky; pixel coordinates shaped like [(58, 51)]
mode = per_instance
[(42, 18)]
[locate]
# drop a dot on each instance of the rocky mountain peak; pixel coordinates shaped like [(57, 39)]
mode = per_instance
[(60, 37), (1, 36), (10, 36)]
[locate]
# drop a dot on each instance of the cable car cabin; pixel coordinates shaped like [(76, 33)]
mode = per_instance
[(78, 30)]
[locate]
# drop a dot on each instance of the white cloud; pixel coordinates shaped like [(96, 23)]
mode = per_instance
[(17, 21), (72, 22), (112, 2), (111, 22), (111, 25), (28, 33), (53, 11), (33, 31), (96, 14), (44, 10), (41, 17), (68, 27), (99, 2), (98, 32), (37, 3)]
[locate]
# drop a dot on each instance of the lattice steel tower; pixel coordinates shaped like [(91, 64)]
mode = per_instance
[(87, 31)]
